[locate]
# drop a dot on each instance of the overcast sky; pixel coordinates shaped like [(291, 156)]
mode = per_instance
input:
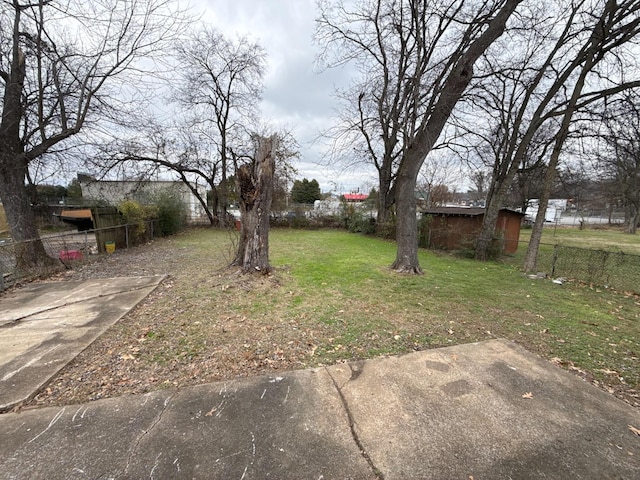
[(297, 95)]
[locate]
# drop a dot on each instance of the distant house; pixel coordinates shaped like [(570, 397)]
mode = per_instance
[(452, 228), (355, 197), (554, 210), (328, 207), (113, 192)]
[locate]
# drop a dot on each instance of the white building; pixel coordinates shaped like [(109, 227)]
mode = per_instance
[(114, 192), (553, 213)]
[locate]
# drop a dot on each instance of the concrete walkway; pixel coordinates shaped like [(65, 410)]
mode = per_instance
[(44, 326), (488, 410)]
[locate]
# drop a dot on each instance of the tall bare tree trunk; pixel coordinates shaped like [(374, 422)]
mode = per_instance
[(488, 228), (632, 227), (531, 257), (407, 225), (29, 250), (450, 93), (254, 182), (223, 196), (500, 182), (598, 34), (385, 201)]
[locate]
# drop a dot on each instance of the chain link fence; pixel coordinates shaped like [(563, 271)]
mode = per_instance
[(69, 249), (617, 270)]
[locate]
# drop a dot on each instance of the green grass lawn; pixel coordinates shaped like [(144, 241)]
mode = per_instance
[(339, 287), (602, 256), (612, 239)]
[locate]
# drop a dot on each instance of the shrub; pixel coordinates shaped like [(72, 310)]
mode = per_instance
[(299, 221), (424, 231), (136, 215), (494, 252), (359, 223), (171, 213)]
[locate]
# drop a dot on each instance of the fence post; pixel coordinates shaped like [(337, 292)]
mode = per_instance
[(126, 235), (605, 261), (554, 260), (85, 257)]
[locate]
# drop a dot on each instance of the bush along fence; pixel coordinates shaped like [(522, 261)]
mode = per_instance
[(73, 248), (617, 270)]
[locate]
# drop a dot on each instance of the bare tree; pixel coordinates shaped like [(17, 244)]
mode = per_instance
[(156, 150), (215, 108), (503, 100), (563, 67), (62, 66), (617, 25), (221, 84), (416, 59), (435, 179), (188, 152), (619, 153)]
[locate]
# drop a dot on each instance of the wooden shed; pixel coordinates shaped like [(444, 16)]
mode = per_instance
[(453, 228)]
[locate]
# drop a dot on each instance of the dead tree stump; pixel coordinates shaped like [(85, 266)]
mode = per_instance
[(254, 182)]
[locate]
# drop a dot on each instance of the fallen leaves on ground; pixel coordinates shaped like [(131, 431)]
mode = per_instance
[(175, 338)]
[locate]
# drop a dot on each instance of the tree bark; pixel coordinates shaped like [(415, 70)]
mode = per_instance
[(213, 210), (502, 178), (488, 228), (407, 225), (531, 257), (30, 253), (454, 86), (254, 183), (384, 205), (632, 227), (29, 250), (223, 216)]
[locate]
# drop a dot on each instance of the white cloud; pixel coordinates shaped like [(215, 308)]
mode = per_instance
[(297, 95)]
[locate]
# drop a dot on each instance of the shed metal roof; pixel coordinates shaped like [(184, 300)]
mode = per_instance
[(462, 211)]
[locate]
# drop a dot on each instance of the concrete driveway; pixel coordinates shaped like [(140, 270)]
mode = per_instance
[(43, 326)]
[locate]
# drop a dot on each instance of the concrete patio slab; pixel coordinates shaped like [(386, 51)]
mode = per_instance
[(43, 326)]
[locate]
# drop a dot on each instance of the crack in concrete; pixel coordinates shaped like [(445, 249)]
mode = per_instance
[(144, 433), (352, 423)]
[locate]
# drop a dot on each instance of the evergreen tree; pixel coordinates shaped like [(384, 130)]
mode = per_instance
[(305, 191)]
